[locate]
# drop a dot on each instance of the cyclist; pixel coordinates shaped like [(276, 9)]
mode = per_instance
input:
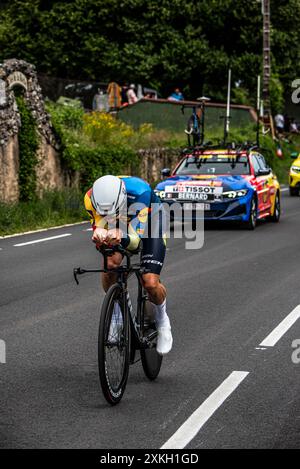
[(125, 211)]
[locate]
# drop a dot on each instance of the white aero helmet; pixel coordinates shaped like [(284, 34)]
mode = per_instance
[(109, 195)]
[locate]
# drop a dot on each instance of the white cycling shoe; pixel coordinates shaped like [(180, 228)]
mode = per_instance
[(164, 340)]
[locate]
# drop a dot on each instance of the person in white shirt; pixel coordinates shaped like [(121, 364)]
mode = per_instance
[(279, 122), (132, 97)]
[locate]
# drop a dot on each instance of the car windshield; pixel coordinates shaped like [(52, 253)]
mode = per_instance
[(215, 164)]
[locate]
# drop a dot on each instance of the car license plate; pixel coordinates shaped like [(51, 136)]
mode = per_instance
[(196, 206)]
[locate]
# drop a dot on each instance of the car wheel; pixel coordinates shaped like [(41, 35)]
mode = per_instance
[(294, 191), (251, 223), (277, 210)]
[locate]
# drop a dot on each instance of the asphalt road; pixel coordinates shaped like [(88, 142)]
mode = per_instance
[(224, 300)]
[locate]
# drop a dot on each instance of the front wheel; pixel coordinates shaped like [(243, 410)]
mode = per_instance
[(251, 223), (113, 346), (277, 210), (151, 360)]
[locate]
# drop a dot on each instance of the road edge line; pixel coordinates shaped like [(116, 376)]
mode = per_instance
[(44, 229), (41, 240)]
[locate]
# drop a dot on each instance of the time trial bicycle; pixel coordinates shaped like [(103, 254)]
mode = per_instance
[(134, 330)]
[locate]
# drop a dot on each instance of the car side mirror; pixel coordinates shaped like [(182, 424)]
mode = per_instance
[(294, 155), (166, 172), (263, 172)]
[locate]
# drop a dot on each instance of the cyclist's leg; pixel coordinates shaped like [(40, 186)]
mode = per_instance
[(156, 290), (109, 278), (153, 254)]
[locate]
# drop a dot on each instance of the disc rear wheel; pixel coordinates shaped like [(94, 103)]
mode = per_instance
[(151, 360)]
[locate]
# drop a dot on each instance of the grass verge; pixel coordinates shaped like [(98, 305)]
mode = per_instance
[(54, 209)]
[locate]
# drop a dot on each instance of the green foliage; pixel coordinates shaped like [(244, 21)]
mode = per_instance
[(28, 145), (156, 42), (281, 165), (55, 208), (66, 115), (241, 96), (84, 152), (276, 94)]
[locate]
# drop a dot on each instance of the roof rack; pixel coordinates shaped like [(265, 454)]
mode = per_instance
[(232, 146)]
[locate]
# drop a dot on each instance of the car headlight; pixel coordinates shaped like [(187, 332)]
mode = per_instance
[(296, 169), (234, 194), (160, 194)]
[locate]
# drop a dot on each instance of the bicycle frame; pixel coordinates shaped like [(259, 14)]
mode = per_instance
[(197, 128), (124, 272)]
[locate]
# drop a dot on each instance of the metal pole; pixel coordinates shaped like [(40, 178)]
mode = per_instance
[(227, 117), (258, 109), (266, 56)]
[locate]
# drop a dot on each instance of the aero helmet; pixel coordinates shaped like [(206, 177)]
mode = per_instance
[(108, 195)]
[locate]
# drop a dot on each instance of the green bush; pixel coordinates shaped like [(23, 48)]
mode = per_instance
[(94, 162), (64, 115), (276, 94), (83, 150), (280, 165)]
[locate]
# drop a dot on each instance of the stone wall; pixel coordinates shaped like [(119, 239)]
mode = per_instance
[(153, 160), (18, 73), (50, 172), (9, 169)]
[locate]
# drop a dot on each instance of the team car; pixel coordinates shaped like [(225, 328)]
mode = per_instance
[(223, 184), (295, 175)]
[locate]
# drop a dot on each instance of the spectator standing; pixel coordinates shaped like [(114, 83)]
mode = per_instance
[(293, 127), (131, 96), (279, 123), (176, 95), (114, 96), (100, 102)]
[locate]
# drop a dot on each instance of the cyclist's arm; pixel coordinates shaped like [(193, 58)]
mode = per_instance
[(130, 239), (95, 219), (139, 213)]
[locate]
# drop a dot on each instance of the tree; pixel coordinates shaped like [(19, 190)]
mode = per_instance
[(161, 43)]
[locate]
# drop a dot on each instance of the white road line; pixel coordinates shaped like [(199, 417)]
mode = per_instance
[(281, 329), (43, 239), (43, 229), (284, 189), (195, 422)]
